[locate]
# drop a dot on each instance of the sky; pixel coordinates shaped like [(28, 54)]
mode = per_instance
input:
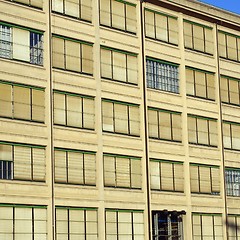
[(230, 5)]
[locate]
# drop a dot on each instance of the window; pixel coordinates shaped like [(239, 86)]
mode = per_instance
[(22, 102), (229, 46), (22, 162), (161, 26), (207, 226), (202, 131), (122, 171), (230, 92), (232, 177), (162, 75), (119, 65), (120, 117), (118, 14), (231, 135), (19, 43), (164, 125), (81, 9), (205, 179), (31, 3), (76, 223), (23, 222), (233, 226), (166, 175), (200, 83), (167, 225), (124, 224), (75, 167), (198, 37), (72, 55), (73, 110)]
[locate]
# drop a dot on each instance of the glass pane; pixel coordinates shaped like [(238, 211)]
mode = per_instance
[(72, 7), (192, 130), (86, 10), (75, 168), (106, 64), (105, 12), (121, 118), (209, 48), (72, 50), (149, 24), (88, 113), (202, 126), (161, 27), (224, 90), (234, 92), (198, 38), (58, 53), (74, 111), (153, 123), (200, 83), (134, 120), (165, 126), (190, 82), (107, 114), (210, 86), (87, 59), (188, 35), (119, 66), (57, 5), (59, 109), (132, 69), (38, 105), (131, 19), (118, 15), (6, 100), (173, 30), (231, 47), (60, 166), (109, 171), (222, 45)]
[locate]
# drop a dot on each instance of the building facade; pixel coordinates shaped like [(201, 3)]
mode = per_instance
[(119, 120)]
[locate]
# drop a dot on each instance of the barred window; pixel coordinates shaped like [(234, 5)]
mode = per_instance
[(73, 110), (21, 44), (230, 90), (75, 167), (229, 46), (120, 117), (232, 177), (22, 162), (231, 135), (207, 226), (122, 171), (119, 65), (23, 102), (162, 75), (72, 55), (167, 225), (233, 226), (200, 83), (161, 26), (198, 37), (124, 224), (202, 131), (23, 222), (81, 9), (205, 179), (120, 15), (31, 3), (164, 124), (166, 175), (76, 223)]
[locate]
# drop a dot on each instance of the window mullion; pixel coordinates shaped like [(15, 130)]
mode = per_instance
[(84, 170)]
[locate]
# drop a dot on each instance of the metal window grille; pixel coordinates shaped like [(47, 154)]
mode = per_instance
[(233, 182), (6, 170), (36, 48), (5, 41)]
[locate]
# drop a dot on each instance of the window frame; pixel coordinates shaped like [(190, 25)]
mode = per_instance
[(25, 4), (173, 175), (155, 26), (232, 187), (193, 48), (114, 117), (131, 175), (111, 16), (81, 97)]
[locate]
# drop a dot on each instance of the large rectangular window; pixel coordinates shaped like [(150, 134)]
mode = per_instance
[(164, 125), (232, 176), (120, 117), (200, 83), (124, 224), (76, 223), (233, 226), (166, 175), (202, 131), (207, 226), (229, 46), (122, 171), (23, 222), (20, 43), (24, 102), (75, 167), (80, 9), (161, 26), (73, 110), (72, 55), (167, 225), (230, 90), (162, 75), (119, 65), (231, 135), (198, 37), (118, 14), (31, 3), (205, 179), (22, 162)]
